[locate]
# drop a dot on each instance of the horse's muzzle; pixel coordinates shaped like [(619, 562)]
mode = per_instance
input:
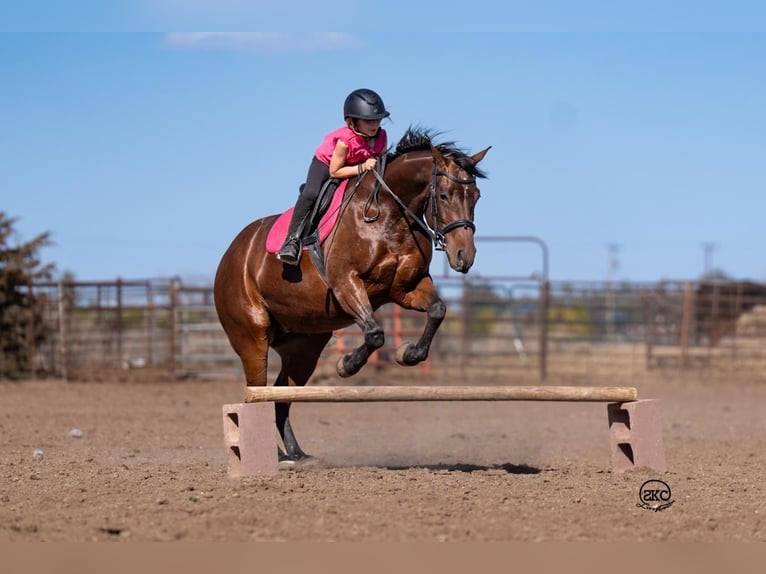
[(461, 260)]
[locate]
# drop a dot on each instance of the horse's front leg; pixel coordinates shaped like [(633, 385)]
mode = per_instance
[(423, 298), (354, 300), (350, 363)]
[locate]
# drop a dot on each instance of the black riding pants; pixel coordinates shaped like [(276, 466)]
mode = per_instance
[(318, 173)]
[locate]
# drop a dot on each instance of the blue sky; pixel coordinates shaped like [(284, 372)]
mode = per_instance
[(145, 153)]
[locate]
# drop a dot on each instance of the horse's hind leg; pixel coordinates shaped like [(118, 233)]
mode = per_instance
[(248, 332), (299, 354)]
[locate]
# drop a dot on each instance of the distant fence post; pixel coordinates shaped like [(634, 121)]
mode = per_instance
[(545, 295), (62, 331), (149, 325), (119, 321), (173, 324), (686, 318), (465, 326)]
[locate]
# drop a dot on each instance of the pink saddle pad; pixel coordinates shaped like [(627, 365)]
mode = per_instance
[(278, 231)]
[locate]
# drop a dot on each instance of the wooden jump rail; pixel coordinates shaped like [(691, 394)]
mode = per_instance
[(250, 430), (467, 393)]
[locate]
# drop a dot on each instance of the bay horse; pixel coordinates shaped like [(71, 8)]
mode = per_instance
[(378, 252)]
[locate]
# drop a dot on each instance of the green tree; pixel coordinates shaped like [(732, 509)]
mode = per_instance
[(22, 325)]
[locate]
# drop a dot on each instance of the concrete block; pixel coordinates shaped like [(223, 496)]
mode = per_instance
[(249, 433), (636, 435)]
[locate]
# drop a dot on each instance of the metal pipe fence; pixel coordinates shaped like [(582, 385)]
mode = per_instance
[(510, 328)]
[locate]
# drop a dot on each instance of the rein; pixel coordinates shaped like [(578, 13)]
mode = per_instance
[(437, 235)]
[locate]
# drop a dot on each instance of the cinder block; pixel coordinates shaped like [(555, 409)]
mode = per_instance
[(249, 433), (636, 435)]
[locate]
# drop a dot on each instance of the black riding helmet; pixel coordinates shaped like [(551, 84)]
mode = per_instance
[(364, 104)]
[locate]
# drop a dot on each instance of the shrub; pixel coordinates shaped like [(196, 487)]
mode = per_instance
[(22, 318)]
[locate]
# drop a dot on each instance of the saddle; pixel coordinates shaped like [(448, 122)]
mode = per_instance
[(316, 226)]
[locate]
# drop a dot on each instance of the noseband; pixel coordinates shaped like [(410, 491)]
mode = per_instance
[(437, 235)]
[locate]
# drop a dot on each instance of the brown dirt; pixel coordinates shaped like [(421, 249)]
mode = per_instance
[(150, 466)]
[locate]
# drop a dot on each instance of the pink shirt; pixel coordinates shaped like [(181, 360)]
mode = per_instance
[(358, 150)]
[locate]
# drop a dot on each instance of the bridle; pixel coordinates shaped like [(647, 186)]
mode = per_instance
[(438, 234)]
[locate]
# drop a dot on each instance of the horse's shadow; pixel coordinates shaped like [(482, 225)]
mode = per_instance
[(465, 467), (507, 467)]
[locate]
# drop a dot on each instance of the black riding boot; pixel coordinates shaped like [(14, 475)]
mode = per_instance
[(290, 252)]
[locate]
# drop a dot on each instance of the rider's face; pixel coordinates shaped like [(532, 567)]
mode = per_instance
[(367, 128)]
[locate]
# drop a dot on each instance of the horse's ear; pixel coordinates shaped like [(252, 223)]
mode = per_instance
[(477, 157)]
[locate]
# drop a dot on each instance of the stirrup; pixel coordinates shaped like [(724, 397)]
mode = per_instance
[(290, 253)]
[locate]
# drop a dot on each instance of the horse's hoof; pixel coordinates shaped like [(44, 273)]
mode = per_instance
[(284, 459), (341, 368), (304, 461), (307, 461), (400, 352)]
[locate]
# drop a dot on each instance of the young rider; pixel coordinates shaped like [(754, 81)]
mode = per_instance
[(345, 152)]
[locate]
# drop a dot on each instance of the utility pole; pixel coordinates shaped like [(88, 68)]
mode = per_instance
[(613, 264), (708, 249)]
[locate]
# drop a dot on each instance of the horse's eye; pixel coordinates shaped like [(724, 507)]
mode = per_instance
[(444, 197)]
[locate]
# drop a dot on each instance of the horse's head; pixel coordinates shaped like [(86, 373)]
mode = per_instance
[(450, 210)]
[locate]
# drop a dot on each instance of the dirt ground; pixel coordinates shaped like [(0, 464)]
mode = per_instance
[(149, 465)]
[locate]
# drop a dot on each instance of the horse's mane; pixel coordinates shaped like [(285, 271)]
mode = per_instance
[(417, 138)]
